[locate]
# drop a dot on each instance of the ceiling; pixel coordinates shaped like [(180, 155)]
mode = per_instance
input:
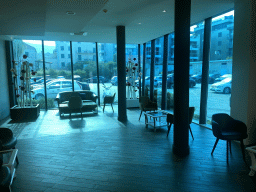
[(47, 19)]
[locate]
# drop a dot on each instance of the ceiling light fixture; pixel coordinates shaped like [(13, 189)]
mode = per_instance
[(79, 33), (139, 23), (70, 13), (164, 11)]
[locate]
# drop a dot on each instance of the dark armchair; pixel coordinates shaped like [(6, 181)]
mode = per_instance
[(75, 104), (170, 120), (109, 100), (226, 128), (7, 140), (146, 105)]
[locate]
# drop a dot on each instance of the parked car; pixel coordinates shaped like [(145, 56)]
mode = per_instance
[(114, 80), (170, 82), (85, 86), (157, 81), (147, 81), (212, 78), (221, 78), (54, 87), (223, 86), (94, 79), (40, 82), (197, 78)]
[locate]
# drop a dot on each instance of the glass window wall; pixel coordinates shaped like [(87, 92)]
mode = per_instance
[(195, 69), (220, 67)]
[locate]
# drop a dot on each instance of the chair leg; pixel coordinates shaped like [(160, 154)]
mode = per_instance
[(191, 132), (230, 147), (81, 114), (69, 115), (169, 128), (112, 107), (140, 115), (17, 160), (103, 108), (227, 150), (242, 147), (216, 142)]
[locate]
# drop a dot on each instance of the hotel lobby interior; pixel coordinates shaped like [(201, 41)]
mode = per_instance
[(114, 150)]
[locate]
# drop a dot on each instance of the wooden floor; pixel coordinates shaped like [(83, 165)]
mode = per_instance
[(100, 153)]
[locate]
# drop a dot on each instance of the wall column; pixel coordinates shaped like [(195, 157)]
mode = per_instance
[(121, 72), (243, 93), (181, 77)]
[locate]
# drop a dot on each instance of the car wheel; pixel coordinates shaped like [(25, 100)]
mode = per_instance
[(226, 90), (39, 96)]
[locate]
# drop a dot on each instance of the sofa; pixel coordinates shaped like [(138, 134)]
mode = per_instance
[(88, 97)]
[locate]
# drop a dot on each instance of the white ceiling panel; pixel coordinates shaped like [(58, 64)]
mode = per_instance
[(144, 20)]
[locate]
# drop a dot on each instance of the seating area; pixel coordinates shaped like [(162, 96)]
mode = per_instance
[(81, 155), (88, 102)]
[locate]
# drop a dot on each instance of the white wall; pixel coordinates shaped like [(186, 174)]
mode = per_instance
[(243, 97), (4, 92)]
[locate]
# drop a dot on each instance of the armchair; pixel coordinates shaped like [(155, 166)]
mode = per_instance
[(7, 140), (75, 105), (146, 105), (109, 100), (226, 128), (170, 120)]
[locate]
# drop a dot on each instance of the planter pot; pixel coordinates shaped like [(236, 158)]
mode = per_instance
[(131, 103), (26, 113)]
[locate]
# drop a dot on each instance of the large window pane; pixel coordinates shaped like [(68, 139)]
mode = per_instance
[(107, 70), (57, 70), (221, 53), (159, 46), (147, 68), (195, 69), (170, 72), (84, 66)]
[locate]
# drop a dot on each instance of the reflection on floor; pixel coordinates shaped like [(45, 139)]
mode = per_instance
[(99, 153)]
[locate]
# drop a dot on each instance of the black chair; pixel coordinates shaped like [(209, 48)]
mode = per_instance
[(226, 128), (146, 104), (7, 140), (5, 177), (170, 120), (75, 105), (109, 100)]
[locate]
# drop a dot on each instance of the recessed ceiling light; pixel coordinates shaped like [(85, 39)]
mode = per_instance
[(70, 13), (139, 23), (72, 33), (164, 11)]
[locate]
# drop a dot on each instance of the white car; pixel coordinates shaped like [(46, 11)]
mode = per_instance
[(223, 86), (54, 87)]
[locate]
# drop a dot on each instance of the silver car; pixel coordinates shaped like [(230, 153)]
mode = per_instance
[(54, 87)]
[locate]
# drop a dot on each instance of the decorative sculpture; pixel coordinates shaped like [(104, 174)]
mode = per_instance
[(132, 74), (22, 75)]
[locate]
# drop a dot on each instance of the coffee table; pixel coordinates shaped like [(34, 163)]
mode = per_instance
[(155, 115)]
